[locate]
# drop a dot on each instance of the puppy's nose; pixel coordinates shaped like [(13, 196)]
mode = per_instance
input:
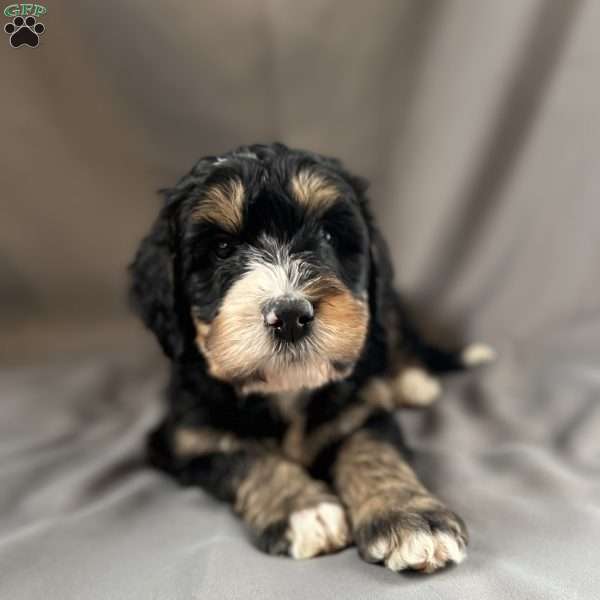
[(289, 318)]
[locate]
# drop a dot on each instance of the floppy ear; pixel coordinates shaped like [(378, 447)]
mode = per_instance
[(382, 294), (152, 289), (381, 276), (381, 271)]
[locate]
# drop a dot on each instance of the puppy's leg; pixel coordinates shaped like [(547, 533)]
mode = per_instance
[(289, 512), (394, 518), (415, 386), (413, 345), (286, 510), (419, 362)]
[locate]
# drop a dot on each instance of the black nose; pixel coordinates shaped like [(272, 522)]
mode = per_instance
[(289, 318)]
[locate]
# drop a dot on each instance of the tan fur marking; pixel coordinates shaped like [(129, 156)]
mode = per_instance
[(289, 404), (222, 204), (203, 440), (415, 530), (341, 319), (202, 331), (239, 349), (378, 393), (372, 478), (274, 488), (293, 443), (307, 448), (343, 324), (314, 191)]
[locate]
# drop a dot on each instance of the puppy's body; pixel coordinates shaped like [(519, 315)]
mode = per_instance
[(270, 288)]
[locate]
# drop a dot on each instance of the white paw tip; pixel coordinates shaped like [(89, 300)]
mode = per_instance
[(478, 354), (425, 552), (417, 387), (416, 551), (317, 530), (378, 550), (449, 549)]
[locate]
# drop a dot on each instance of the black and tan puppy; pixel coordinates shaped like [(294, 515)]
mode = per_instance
[(270, 289)]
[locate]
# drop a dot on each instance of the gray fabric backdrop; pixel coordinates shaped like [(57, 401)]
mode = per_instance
[(479, 126)]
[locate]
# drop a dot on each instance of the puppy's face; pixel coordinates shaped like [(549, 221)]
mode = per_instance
[(274, 269)]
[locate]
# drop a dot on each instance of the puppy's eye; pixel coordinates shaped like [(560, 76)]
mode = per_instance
[(327, 236), (223, 248)]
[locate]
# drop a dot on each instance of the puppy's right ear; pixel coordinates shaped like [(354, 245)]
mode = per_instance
[(152, 291)]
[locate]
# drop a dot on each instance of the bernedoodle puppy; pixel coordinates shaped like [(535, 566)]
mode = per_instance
[(270, 288)]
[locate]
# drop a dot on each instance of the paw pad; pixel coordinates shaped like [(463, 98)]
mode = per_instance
[(24, 32)]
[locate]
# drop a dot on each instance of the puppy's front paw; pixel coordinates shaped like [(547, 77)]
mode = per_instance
[(318, 530), (421, 541), (416, 387), (308, 532)]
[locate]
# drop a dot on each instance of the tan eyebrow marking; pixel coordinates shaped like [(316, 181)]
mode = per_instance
[(314, 191), (222, 204)]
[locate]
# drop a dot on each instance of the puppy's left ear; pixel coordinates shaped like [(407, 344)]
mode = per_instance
[(382, 296), (381, 277), (152, 291)]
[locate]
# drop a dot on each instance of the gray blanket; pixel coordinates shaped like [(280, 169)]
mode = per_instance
[(478, 124)]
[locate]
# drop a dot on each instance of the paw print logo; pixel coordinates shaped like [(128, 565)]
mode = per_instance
[(24, 32)]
